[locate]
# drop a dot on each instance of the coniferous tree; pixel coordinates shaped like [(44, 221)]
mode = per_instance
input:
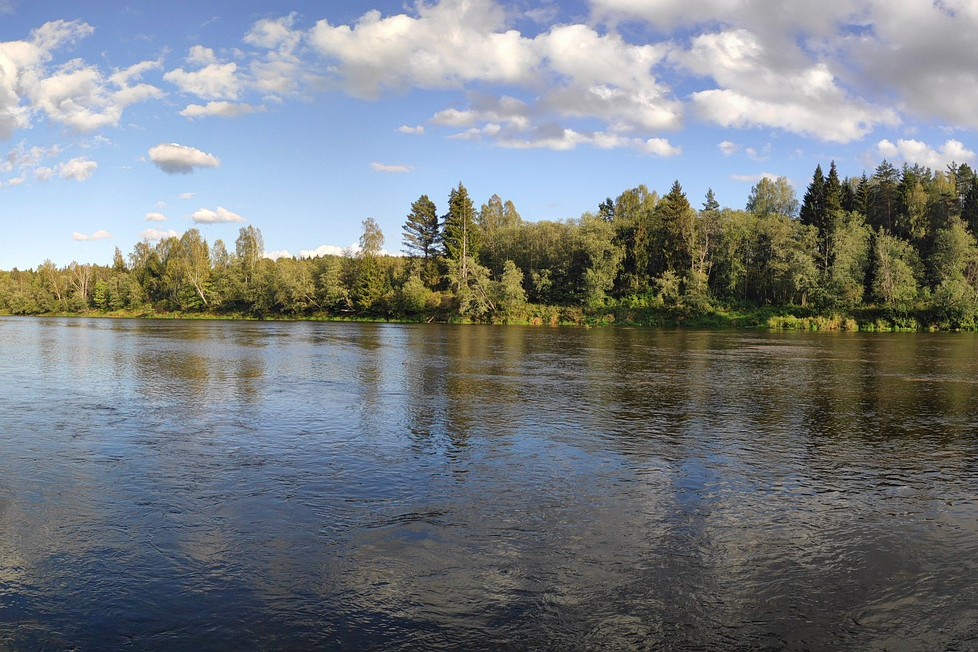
[(460, 235), (969, 210), (678, 220), (884, 198), (421, 230), (711, 204), (461, 239), (813, 203), (833, 192)]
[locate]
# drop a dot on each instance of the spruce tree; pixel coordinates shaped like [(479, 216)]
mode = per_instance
[(422, 230), (678, 220), (461, 231), (813, 203), (833, 192)]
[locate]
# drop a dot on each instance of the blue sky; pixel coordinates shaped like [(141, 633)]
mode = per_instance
[(128, 121)]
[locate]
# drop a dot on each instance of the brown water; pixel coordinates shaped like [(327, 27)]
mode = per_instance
[(242, 485)]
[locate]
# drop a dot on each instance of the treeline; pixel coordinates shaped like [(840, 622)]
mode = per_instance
[(897, 248)]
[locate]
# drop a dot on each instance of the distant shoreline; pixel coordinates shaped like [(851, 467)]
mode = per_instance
[(552, 317)]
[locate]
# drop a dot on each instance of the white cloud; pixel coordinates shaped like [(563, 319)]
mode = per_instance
[(390, 169), (215, 81), (75, 94), (154, 235), (762, 87), (414, 131), (155, 217), (659, 147), (79, 169), (187, 195), (329, 250), (201, 56), (82, 98), (98, 235), (754, 178), (333, 250), (220, 216), (446, 45), (575, 72), (218, 109), (915, 151), (180, 159), (275, 255), (274, 33), (728, 148)]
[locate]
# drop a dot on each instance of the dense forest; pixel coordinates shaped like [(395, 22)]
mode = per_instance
[(893, 250)]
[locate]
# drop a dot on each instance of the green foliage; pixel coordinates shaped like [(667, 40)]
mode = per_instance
[(896, 274), (894, 250), (772, 197), (422, 229), (461, 234), (510, 295)]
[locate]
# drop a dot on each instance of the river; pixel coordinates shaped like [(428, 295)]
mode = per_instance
[(252, 485)]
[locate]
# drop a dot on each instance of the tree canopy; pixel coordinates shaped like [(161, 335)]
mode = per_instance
[(896, 245)]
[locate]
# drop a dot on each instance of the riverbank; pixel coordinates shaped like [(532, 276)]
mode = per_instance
[(775, 319)]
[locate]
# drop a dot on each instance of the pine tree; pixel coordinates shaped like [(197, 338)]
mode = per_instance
[(711, 204)]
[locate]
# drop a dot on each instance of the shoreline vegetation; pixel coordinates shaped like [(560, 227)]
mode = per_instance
[(552, 316), (895, 251)]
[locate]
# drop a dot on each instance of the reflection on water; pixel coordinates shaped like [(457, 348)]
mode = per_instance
[(275, 485)]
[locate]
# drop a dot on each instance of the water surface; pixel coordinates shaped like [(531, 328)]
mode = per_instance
[(200, 485)]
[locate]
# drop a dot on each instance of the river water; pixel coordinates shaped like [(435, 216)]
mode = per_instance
[(249, 485)]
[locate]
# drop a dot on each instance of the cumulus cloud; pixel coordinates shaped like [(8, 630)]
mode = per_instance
[(575, 72), (215, 81), (78, 169), (201, 56), (181, 159), (414, 131), (760, 87), (218, 109), (155, 217), (329, 250), (23, 161), (155, 235), (75, 94), (274, 33), (276, 255), (333, 250), (728, 148), (915, 151), (390, 169), (220, 216), (98, 235)]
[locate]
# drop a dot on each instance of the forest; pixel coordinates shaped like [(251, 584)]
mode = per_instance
[(895, 250)]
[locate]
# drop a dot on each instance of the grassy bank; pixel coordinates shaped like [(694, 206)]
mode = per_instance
[(621, 315)]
